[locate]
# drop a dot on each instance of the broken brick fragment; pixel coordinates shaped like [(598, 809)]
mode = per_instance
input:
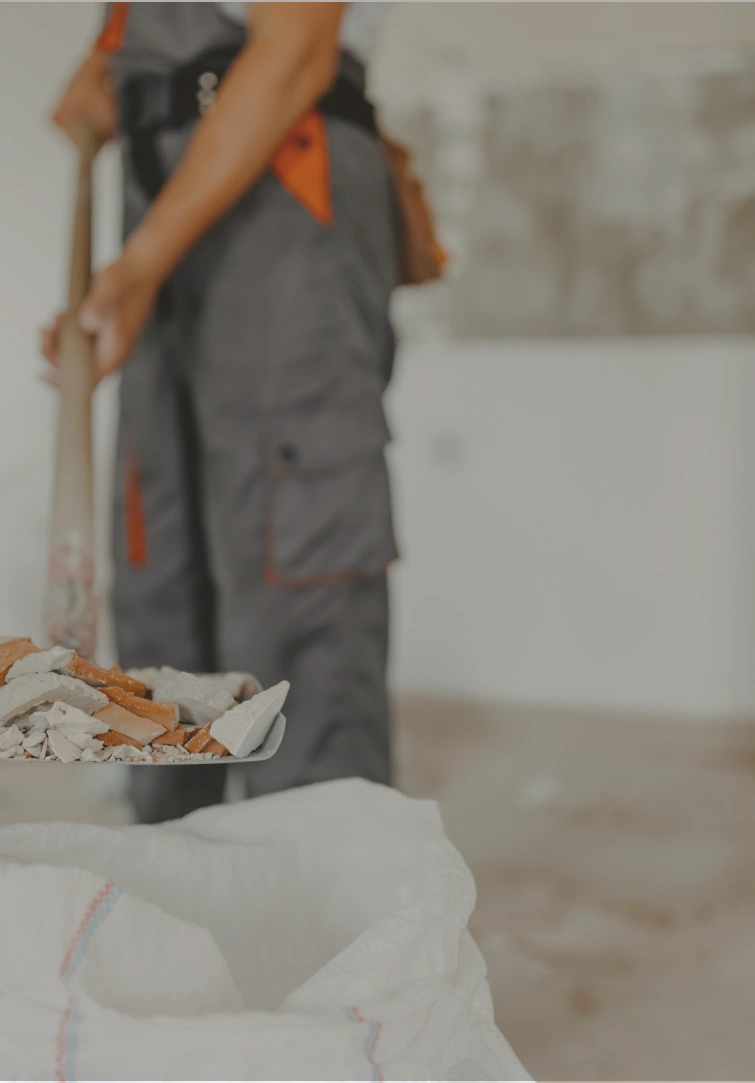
[(139, 729), (200, 739), (112, 738), (11, 652), (164, 714), (105, 678), (176, 737), (215, 748)]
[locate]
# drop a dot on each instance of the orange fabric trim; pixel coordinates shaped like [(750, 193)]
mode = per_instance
[(111, 38), (271, 577), (136, 529), (302, 165)]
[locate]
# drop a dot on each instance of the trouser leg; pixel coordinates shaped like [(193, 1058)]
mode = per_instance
[(162, 597), (332, 646)]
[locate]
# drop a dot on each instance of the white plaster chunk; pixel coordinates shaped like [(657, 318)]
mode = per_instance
[(8, 754), (232, 683), (21, 695), (61, 747), (95, 755), (56, 658), (35, 738), (39, 751), (10, 738), (63, 714), (78, 735), (26, 722), (37, 720), (198, 699), (128, 752), (244, 728), (147, 676)]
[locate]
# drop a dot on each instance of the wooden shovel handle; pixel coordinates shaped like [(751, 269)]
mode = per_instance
[(81, 244), (70, 609)]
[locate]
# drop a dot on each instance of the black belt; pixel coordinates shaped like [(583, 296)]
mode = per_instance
[(151, 102)]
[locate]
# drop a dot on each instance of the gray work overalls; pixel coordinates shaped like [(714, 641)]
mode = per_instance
[(252, 516)]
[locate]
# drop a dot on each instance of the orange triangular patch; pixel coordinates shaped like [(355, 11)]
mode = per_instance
[(302, 165), (111, 38)]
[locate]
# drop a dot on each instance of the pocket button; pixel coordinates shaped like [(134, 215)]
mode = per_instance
[(288, 454)]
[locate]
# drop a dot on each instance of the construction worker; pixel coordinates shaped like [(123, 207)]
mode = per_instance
[(248, 313)]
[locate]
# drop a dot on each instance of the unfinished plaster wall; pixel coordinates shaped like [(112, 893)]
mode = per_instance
[(615, 199)]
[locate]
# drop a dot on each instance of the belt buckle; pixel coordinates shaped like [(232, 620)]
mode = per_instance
[(206, 91)]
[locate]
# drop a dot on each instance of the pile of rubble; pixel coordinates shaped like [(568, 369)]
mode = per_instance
[(57, 706)]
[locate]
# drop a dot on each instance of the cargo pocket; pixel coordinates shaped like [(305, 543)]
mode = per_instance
[(328, 512)]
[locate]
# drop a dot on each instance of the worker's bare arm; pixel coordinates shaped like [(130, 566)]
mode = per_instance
[(88, 100), (285, 68)]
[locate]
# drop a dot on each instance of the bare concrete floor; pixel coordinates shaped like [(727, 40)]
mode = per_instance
[(615, 862)]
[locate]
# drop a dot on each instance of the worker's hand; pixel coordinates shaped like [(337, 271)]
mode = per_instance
[(88, 101), (114, 313), (118, 305)]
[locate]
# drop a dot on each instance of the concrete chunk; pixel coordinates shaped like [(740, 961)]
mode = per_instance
[(198, 699), (245, 727), (61, 747), (55, 659), (24, 693)]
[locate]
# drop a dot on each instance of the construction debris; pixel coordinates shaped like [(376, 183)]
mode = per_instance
[(130, 725), (57, 706), (19, 696), (101, 678), (199, 699), (52, 661), (10, 652), (62, 748), (164, 714), (243, 728)]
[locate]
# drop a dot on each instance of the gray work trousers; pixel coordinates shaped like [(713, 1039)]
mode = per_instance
[(252, 516)]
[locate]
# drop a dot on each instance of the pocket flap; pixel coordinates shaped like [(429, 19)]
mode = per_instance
[(318, 443)]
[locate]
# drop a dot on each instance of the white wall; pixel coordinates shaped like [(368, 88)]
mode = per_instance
[(578, 519), (38, 45), (578, 522)]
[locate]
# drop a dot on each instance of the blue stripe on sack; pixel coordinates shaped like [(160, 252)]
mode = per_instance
[(74, 1020)]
